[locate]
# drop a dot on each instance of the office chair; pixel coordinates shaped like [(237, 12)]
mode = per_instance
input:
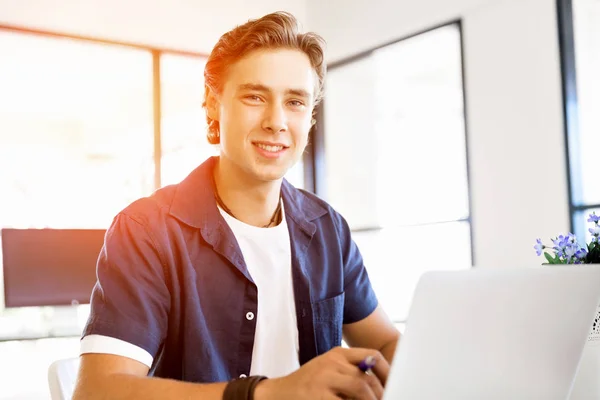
[(62, 375)]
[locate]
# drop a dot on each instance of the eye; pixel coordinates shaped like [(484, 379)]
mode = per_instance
[(296, 103), (253, 97)]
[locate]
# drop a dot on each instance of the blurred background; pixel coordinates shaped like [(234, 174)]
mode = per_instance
[(453, 134)]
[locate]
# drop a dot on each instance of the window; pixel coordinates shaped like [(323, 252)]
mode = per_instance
[(183, 122), (579, 25), (75, 131), (76, 146), (396, 163)]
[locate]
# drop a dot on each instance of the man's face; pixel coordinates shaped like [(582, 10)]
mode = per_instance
[(265, 112)]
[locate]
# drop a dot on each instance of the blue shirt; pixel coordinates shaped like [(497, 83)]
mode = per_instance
[(172, 280)]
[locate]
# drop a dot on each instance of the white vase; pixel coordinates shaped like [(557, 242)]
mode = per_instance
[(587, 381)]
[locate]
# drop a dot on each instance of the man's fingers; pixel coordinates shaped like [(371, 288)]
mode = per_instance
[(353, 371), (355, 355), (375, 384), (382, 370), (354, 387)]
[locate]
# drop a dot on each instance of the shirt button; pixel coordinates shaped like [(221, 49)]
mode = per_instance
[(243, 376), (249, 316)]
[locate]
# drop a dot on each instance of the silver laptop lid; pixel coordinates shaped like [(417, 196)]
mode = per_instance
[(495, 333)]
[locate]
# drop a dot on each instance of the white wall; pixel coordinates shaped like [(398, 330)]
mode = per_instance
[(516, 133), (513, 89), (179, 24)]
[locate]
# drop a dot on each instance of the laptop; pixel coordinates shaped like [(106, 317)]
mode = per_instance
[(495, 333)]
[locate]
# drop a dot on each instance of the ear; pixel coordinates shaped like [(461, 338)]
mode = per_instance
[(212, 104)]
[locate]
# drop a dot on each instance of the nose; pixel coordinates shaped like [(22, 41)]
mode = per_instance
[(275, 119)]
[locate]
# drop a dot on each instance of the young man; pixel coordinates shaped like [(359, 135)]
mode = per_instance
[(233, 275)]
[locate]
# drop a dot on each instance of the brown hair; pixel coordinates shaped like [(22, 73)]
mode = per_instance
[(276, 30)]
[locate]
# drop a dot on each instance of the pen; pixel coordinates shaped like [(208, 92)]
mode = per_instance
[(366, 364)]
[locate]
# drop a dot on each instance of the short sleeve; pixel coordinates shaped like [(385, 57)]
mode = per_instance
[(131, 299), (360, 299)]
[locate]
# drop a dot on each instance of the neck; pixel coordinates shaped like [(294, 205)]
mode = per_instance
[(249, 200)]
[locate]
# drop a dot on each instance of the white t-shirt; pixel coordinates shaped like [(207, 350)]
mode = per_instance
[(267, 253), (268, 256)]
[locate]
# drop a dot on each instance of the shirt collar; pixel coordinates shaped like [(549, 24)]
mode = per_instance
[(194, 201)]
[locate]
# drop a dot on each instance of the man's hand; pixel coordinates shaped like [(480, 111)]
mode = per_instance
[(333, 375)]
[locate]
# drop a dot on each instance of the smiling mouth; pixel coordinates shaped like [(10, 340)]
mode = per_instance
[(270, 148)]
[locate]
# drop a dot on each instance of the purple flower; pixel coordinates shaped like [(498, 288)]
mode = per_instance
[(539, 247), (570, 252), (560, 242), (566, 250), (566, 247), (581, 253), (563, 241)]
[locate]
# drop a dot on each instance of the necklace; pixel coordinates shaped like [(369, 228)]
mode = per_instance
[(275, 218)]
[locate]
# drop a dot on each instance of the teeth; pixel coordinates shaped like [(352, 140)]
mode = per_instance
[(272, 149)]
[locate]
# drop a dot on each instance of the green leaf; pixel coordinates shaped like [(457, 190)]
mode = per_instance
[(549, 258)]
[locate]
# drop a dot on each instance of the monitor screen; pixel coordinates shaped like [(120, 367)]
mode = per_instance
[(49, 267)]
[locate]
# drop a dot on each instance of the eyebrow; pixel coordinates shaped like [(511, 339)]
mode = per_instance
[(262, 88)]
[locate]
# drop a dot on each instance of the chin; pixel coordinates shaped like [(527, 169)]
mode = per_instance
[(270, 177), (270, 174)]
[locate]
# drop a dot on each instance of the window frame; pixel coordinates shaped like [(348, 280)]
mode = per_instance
[(570, 108), (318, 135)]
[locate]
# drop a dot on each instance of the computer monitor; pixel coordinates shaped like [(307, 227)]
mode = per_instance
[(49, 267)]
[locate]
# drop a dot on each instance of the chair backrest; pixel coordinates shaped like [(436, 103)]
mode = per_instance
[(62, 375)]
